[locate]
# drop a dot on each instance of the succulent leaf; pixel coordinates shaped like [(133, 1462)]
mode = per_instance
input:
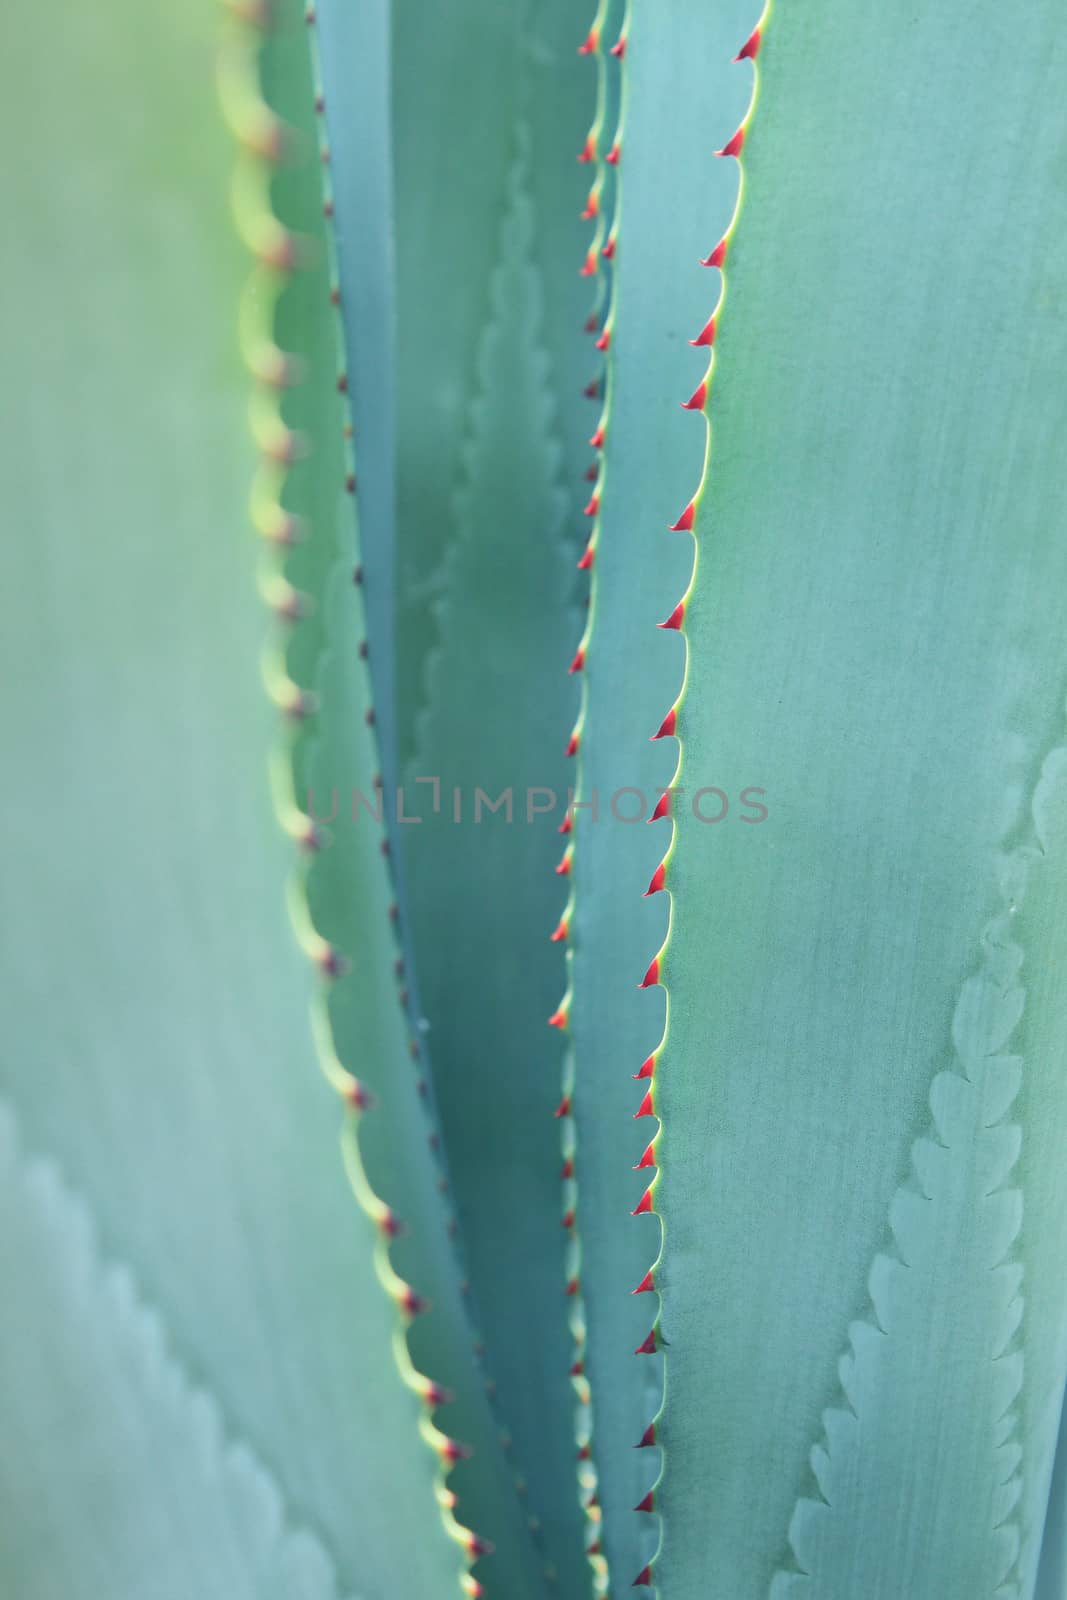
[(362, 1020), (651, 459), (176, 1086), (881, 600), (158, 1495), (505, 622), (466, 75)]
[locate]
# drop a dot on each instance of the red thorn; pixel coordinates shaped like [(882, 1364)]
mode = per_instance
[(566, 825), (612, 157), (667, 726), (697, 398), (705, 337), (663, 807), (589, 44), (453, 1451), (645, 1109), (592, 206), (644, 1204), (390, 1224), (579, 660), (647, 1438), (572, 744), (567, 1170), (357, 1095), (651, 977), (608, 252), (434, 1395), (592, 473), (646, 1069), (567, 1220), (685, 521), (477, 1546), (592, 389), (655, 883), (648, 1159), (588, 150), (605, 339), (572, 1287), (717, 257), (558, 1019), (577, 1369), (643, 1579), (645, 1504), (733, 146), (565, 865), (597, 441), (593, 506), (750, 49), (645, 1285), (589, 264), (591, 323), (585, 1453), (330, 961), (561, 932), (594, 1549), (587, 558), (619, 48), (564, 1107), (675, 618), (410, 1302), (648, 1345)]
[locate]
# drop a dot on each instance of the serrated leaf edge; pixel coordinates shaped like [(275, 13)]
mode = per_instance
[(261, 141), (603, 209), (658, 970)]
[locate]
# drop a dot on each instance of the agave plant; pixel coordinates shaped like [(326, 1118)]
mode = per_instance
[(331, 1272)]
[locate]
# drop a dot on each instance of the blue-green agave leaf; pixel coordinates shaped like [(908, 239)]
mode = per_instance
[(861, 1090), (349, 912), (176, 1086), (124, 1472), (683, 101), (464, 76), (484, 895)]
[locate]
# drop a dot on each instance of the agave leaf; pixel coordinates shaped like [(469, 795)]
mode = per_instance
[(875, 639), (685, 101), (176, 1084), (123, 1472), (484, 894), (465, 75), (348, 883)]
